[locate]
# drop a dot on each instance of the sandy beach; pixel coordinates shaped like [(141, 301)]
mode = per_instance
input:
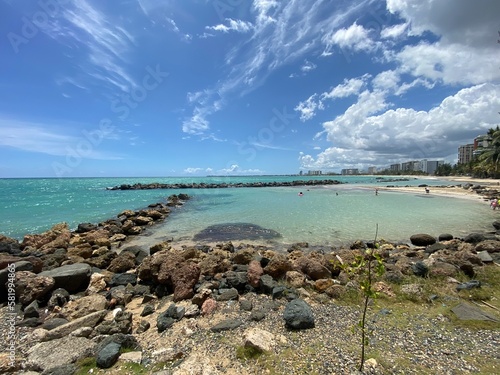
[(451, 190)]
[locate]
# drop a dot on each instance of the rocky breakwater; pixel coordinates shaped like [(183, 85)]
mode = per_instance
[(170, 306), (222, 185)]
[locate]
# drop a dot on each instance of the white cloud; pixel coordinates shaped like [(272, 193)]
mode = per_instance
[(307, 108), (105, 40), (239, 26), (347, 88), (386, 80), (362, 136), (355, 38), (393, 32), (308, 66)]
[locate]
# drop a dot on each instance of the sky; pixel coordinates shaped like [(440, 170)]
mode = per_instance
[(138, 88)]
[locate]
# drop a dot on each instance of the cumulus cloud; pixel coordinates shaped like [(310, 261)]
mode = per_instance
[(362, 135), (355, 38)]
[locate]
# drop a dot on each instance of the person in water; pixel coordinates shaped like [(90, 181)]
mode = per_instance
[(301, 194)]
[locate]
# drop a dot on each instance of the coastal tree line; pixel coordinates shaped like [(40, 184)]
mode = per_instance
[(485, 165)]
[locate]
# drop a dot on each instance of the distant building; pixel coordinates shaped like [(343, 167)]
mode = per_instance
[(430, 166), (395, 167), (481, 142), (350, 171), (465, 153), (372, 170), (301, 173), (314, 173)]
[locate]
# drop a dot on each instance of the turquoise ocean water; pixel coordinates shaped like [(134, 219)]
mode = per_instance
[(323, 215)]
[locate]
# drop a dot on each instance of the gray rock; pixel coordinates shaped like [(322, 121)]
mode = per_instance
[(123, 279), (464, 311), (148, 310), (474, 238), (246, 305), (469, 285), (267, 284), (298, 315), (485, 256), (59, 297), (31, 311), (227, 294), (72, 277), (257, 315), (61, 370), (422, 239), (50, 324), (59, 352), (164, 322), (90, 320), (108, 355), (445, 237), (226, 325), (420, 269), (143, 326)]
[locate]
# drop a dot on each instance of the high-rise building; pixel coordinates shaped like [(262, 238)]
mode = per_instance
[(465, 153)]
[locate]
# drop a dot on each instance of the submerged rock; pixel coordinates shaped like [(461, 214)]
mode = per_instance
[(235, 231)]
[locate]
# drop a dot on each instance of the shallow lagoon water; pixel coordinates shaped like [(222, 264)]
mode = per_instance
[(320, 216)]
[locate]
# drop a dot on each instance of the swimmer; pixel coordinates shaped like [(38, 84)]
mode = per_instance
[(301, 194)]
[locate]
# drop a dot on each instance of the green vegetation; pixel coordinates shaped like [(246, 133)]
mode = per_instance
[(366, 267)]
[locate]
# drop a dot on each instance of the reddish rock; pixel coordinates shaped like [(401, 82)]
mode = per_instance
[(254, 273), (313, 268), (29, 286), (160, 266), (321, 285), (209, 306), (215, 262), (183, 280), (56, 237), (122, 263), (95, 236), (278, 266)]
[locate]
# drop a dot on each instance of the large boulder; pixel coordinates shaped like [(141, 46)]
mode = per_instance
[(422, 239), (30, 287), (123, 262), (298, 315), (313, 268), (47, 355), (9, 245), (72, 277), (56, 237), (184, 279), (278, 266)]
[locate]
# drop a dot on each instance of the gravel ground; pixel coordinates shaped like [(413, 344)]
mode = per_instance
[(406, 342)]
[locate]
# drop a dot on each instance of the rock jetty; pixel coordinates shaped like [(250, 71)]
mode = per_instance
[(191, 309), (222, 185)]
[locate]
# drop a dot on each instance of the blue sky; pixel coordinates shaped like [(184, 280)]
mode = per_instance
[(197, 87)]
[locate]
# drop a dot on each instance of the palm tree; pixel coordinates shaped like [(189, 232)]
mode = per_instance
[(490, 158)]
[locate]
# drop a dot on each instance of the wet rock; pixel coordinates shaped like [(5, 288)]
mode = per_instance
[(474, 238), (235, 231), (422, 239), (445, 237)]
